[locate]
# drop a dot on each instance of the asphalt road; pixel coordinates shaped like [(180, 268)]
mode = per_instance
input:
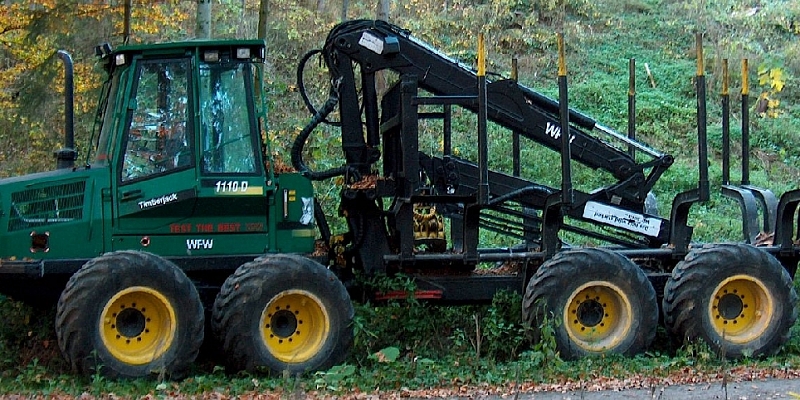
[(761, 390)]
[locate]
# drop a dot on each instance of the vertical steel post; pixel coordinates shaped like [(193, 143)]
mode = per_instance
[(745, 124), (447, 120), (515, 137), (483, 139), (726, 126), (370, 104), (632, 105), (702, 136), (566, 151)]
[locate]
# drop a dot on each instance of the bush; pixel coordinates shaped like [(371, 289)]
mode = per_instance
[(27, 337)]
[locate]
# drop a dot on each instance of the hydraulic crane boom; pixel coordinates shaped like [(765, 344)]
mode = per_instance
[(386, 130), (376, 45)]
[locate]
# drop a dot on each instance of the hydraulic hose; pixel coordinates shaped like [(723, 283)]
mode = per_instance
[(301, 87), (301, 84), (300, 142)]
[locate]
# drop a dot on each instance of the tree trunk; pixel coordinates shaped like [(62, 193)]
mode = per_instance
[(243, 29), (345, 6), (383, 10), (380, 77), (126, 25), (263, 15), (203, 30)]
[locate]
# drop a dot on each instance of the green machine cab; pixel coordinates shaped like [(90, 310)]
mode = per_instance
[(177, 193)]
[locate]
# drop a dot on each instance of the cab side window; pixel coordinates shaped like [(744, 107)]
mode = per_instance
[(226, 110), (157, 141)]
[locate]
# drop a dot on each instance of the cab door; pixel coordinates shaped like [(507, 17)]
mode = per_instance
[(155, 185), (235, 192)]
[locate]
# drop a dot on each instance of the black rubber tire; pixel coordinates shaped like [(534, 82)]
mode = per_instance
[(244, 316), (86, 303), (695, 284), (553, 293)]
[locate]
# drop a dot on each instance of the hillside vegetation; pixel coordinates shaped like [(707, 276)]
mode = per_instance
[(413, 345)]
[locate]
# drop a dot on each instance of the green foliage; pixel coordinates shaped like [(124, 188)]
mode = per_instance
[(502, 330), (544, 353), (27, 341), (335, 379), (389, 354), (419, 329), (696, 354), (31, 89)]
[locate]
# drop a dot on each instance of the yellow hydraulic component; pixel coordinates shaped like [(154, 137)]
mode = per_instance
[(294, 326), (745, 78), (481, 56), (741, 309), (725, 77), (598, 316), (514, 69), (562, 58), (427, 223), (138, 325), (700, 61)]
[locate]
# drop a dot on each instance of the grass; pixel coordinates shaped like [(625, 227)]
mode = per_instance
[(402, 346), (411, 365)]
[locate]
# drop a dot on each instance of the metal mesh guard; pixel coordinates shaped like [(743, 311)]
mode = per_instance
[(46, 205)]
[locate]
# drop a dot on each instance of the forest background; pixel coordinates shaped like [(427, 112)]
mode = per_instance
[(601, 36)]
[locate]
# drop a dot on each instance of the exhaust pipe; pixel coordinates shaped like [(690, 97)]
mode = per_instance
[(66, 156)]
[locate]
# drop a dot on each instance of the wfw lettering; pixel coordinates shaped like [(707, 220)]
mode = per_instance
[(199, 244), (554, 131)]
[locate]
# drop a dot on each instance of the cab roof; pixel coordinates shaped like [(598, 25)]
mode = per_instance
[(224, 47)]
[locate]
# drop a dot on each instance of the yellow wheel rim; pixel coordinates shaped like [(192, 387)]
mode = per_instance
[(740, 309), (294, 326), (137, 325), (598, 316)]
